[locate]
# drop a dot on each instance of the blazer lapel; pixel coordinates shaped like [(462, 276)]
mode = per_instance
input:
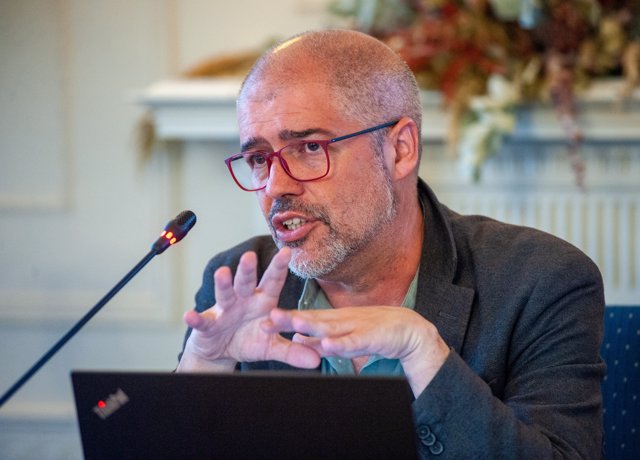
[(447, 305)]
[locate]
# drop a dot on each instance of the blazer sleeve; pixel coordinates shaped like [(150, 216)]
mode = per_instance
[(546, 403)]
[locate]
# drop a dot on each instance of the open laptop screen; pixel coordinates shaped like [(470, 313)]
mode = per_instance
[(242, 415)]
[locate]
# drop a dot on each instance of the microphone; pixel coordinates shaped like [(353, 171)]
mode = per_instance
[(173, 232)]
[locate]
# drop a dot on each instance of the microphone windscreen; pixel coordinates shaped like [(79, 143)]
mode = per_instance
[(174, 231)]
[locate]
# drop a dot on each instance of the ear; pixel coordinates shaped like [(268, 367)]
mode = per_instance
[(405, 150)]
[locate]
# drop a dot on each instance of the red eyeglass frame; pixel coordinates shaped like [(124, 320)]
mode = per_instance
[(268, 156)]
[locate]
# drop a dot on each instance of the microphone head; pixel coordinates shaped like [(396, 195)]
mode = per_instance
[(174, 231)]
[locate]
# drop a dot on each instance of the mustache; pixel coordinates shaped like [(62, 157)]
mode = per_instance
[(317, 212)]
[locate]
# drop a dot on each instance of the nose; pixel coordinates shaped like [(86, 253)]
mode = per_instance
[(280, 183)]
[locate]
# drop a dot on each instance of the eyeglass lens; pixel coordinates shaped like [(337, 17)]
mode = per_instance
[(303, 161)]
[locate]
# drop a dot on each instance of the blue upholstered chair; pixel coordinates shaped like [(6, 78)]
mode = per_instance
[(621, 387)]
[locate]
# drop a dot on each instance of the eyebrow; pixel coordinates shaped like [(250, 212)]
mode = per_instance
[(285, 135)]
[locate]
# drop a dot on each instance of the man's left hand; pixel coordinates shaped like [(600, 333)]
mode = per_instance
[(350, 332)]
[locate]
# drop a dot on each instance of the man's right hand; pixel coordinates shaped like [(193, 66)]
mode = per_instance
[(230, 332)]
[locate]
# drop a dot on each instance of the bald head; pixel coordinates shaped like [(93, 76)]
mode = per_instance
[(369, 82)]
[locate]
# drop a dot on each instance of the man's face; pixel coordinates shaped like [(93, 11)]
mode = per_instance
[(326, 222)]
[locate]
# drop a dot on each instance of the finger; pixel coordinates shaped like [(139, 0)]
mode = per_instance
[(198, 321), (318, 323), (310, 342), (278, 321), (327, 338), (246, 275), (347, 346), (192, 319), (223, 287), (271, 327), (294, 354), (276, 273)]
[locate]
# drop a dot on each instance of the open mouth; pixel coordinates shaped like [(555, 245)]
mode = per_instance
[(292, 228), (293, 224)]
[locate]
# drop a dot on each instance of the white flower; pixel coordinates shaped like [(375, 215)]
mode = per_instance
[(494, 119)]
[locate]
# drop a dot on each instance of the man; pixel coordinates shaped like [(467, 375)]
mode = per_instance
[(497, 328)]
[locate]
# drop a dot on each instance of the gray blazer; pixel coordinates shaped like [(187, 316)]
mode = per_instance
[(523, 314)]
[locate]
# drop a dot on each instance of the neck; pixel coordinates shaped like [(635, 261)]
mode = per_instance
[(381, 273)]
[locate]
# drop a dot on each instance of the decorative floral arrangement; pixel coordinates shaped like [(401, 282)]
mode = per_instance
[(485, 56)]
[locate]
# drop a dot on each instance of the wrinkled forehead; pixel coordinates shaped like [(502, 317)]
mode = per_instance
[(289, 88), (273, 80), (266, 98)]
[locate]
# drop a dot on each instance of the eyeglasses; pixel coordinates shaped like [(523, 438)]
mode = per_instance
[(303, 161)]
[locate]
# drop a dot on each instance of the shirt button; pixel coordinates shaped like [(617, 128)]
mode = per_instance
[(437, 448)]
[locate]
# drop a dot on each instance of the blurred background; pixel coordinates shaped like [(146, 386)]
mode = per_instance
[(116, 115)]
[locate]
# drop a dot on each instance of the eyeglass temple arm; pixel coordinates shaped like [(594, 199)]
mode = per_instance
[(364, 131)]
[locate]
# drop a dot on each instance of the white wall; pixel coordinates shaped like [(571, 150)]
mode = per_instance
[(78, 210)]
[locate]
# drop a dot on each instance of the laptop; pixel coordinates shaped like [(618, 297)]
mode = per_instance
[(126, 415)]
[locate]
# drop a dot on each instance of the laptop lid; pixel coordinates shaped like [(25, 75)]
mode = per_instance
[(242, 415)]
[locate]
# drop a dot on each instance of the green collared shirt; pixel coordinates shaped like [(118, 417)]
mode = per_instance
[(313, 298)]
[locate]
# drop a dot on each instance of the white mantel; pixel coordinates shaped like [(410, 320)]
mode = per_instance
[(204, 109), (529, 182)]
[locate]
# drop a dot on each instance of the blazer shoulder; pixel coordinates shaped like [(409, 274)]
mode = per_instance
[(491, 246)]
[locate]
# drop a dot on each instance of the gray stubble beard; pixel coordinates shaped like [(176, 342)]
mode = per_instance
[(339, 247)]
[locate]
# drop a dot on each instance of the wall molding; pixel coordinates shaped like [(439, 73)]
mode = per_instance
[(204, 109)]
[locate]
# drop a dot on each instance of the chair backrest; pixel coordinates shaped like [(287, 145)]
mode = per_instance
[(621, 386)]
